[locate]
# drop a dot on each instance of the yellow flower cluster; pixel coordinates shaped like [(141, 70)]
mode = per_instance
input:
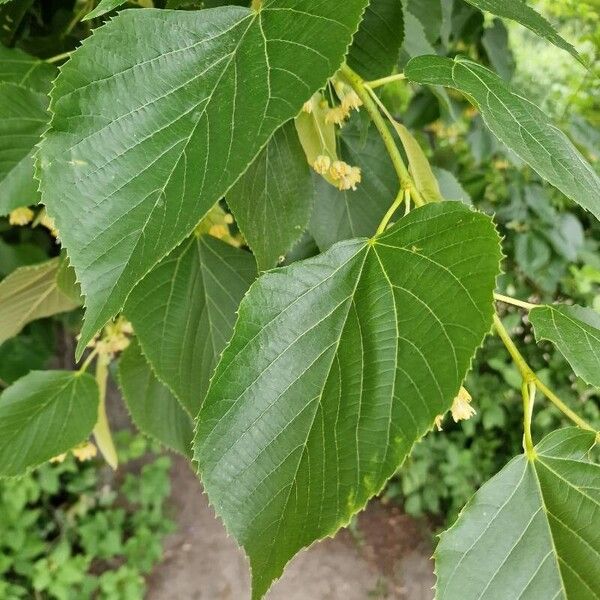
[(343, 175), (349, 101), (115, 338), (83, 452), (21, 216), (461, 408)]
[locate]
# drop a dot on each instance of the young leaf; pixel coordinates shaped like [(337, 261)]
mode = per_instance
[(176, 118), (576, 333), (521, 12), (153, 407), (184, 310), (376, 45), (337, 365), (341, 215), (30, 293), (516, 122), (273, 200), (23, 118), (531, 532), (42, 415)]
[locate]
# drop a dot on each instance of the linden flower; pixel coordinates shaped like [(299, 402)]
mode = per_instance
[(85, 452), (21, 216), (48, 223), (438, 422), (351, 101), (337, 115), (346, 176), (461, 407), (322, 164), (59, 459)]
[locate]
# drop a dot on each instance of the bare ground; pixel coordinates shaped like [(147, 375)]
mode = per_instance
[(385, 557)]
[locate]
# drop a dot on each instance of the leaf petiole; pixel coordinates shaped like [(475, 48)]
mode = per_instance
[(403, 196), (530, 378), (514, 301), (385, 80)]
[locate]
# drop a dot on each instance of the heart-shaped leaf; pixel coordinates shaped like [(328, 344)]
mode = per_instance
[(531, 532), (158, 113), (337, 365), (42, 415)]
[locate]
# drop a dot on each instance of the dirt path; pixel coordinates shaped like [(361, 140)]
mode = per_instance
[(387, 557)]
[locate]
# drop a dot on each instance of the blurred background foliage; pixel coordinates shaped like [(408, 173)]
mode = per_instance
[(50, 520)]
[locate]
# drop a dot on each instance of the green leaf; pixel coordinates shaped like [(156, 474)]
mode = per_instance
[(30, 293), (175, 123), (337, 365), (183, 313), (516, 122), (376, 45), (153, 407), (450, 187), (531, 532), (42, 415), (23, 118), (104, 6), (341, 215), (23, 69), (575, 331), (272, 202), (521, 12)]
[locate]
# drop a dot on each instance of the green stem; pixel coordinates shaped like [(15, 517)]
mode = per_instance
[(514, 301), (59, 57), (88, 360), (102, 432), (403, 196), (531, 379), (385, 80), (528, 393), (563, 407), (358, 85), (524, 369)]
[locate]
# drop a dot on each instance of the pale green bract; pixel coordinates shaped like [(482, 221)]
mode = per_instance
[(153, 407), (158, 113), (576, 333), (337, 366), (521, 12), (42, 415), (273, 200), (530, 533), (516, 122), (183, 313)]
